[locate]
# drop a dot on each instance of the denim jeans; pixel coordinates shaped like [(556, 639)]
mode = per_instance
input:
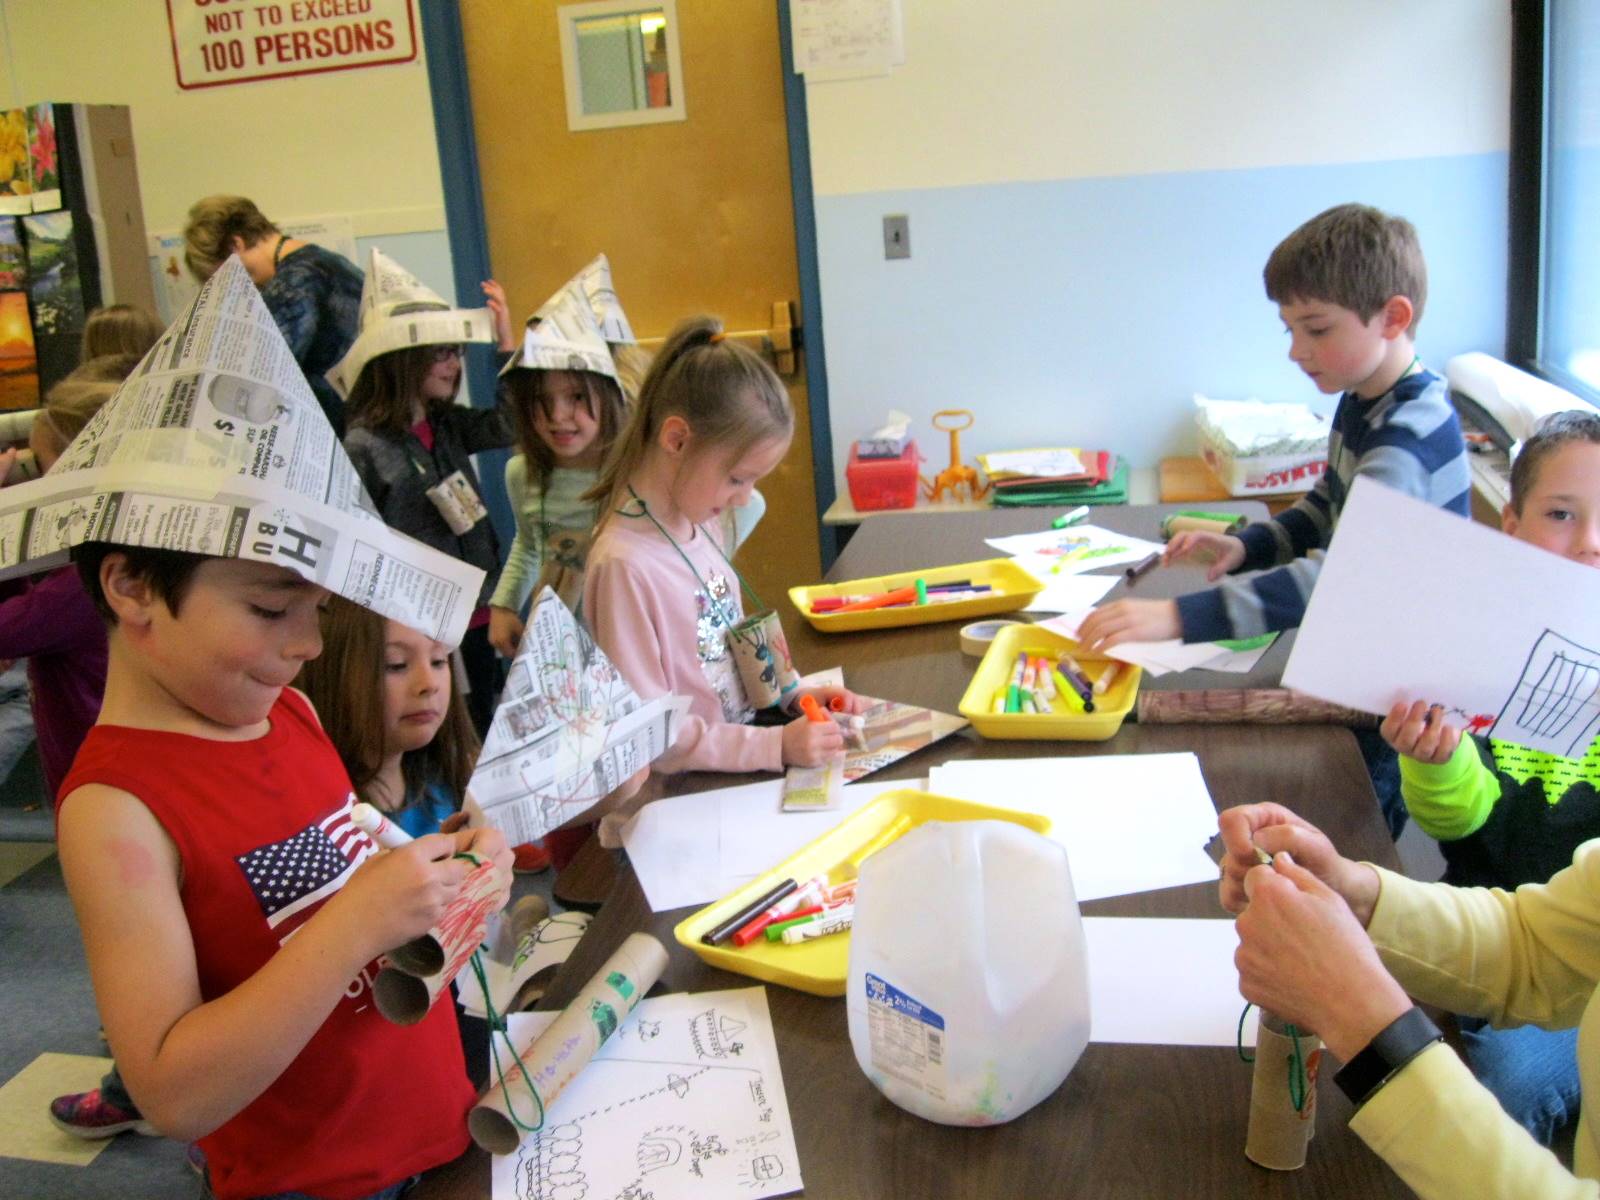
[(1533, 1072), (16, 717), (392, 1192)]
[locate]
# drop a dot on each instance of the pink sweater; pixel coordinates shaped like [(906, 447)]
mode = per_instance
[(655, 623)]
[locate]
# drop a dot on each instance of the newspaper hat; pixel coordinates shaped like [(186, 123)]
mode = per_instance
[(563, 336), (593, 283), (399, 311), (215, 445)]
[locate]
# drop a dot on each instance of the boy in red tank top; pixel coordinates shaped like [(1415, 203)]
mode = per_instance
[(231, 912)]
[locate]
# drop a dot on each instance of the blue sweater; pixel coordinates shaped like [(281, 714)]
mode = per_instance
[(1408, 439)]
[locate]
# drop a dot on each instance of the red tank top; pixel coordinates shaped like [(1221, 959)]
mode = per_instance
[(263, 830)]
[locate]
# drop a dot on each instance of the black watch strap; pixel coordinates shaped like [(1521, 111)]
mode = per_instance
[(1407, 1036)]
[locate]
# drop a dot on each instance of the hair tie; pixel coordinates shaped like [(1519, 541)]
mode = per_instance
[(716, 337)]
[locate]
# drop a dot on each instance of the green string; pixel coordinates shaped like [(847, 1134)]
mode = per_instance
[(644, 511), (1299, 1083), (497, 1030)]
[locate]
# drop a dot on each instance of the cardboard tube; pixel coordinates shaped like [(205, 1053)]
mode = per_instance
[(1182, 523), (554, 1058), (1247, 706), (437, 956), (1278, 1135)]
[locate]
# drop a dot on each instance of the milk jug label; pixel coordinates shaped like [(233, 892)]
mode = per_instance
[(906, 1037)]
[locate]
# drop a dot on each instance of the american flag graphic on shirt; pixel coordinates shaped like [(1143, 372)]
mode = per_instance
[(290, 878)]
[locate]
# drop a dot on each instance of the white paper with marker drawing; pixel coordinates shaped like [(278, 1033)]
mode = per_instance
[(1414, 603), (1076, 549), (1063, 592), (1129, 822), (1133, 962), (689, 850), (569, 729), (686, 1099)]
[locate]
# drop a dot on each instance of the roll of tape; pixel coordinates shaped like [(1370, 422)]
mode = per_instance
[(975, 638)]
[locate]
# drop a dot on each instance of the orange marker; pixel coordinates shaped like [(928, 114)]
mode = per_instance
[(813, 710), (905, 595)]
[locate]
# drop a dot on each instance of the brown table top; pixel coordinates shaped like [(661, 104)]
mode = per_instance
[(1130, 1121)]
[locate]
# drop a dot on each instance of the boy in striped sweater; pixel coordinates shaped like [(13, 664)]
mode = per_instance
[(1350, 286)]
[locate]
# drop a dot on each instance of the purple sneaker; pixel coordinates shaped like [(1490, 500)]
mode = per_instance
[(90, 1115)]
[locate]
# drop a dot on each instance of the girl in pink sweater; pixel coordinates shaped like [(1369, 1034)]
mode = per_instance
[(660, 593)]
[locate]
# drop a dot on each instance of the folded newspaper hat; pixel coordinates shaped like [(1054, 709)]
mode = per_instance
[(563, 336), (215, 445), (399, 311), (593, 283)]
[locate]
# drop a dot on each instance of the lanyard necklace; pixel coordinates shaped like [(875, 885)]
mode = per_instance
[(716, 605)]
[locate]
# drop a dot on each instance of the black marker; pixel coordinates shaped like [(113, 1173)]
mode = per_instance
[(1133, 573), (726, 930)]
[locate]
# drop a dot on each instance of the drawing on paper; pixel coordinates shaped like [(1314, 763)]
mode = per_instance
[(672, 1106), (1554, 706), (568, 731)]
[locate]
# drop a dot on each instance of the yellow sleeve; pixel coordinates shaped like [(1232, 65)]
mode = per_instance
[(1452, 799), (1446, 1135)]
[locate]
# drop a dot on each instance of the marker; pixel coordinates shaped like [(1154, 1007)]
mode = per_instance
[(1030, 673), (959, 585), (1139, 569), (852, 725), (721, 933), (1014, 699), (813, 710), (1028, 706), (809, 916), (1066, 692), (1103, 684), (836, 703), (905, 595), (378, 827), (1070, 518), (1078, 682), (922, 591), (998, 704), (816, 929), (751, 930), (1041, 675)]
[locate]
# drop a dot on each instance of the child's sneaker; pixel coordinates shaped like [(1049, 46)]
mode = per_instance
[(530, 858), (91, 1115)]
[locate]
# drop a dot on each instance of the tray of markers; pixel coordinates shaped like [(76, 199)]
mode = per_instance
[(757, 931), (995, 585), (1024, 689)]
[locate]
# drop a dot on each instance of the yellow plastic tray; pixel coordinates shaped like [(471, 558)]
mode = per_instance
[(994, 672), (1013, 588), (820, 967)]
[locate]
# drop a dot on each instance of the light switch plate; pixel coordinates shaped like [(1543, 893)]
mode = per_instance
[(897, 236)]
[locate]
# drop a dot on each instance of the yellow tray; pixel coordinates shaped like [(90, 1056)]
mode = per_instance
[(994, 672), (820, 967), (1013, 588)]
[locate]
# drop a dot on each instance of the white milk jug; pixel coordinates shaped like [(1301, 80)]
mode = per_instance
[(968, 991)]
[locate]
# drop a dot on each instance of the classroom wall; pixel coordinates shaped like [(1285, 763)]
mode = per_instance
[(357, 143), (1093, 190)]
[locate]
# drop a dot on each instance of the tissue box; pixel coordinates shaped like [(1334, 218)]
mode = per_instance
[(1259, 449), (1265, 474), (880, 483)]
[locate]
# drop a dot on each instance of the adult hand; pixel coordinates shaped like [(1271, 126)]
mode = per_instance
[(1304, 956), (1420, 731), (1272, 828), (505, 631), (494, 298), (1129, 621), (1222, 551), (808, 743)]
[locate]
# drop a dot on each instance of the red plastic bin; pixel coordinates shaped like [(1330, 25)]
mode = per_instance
[(879, 483)]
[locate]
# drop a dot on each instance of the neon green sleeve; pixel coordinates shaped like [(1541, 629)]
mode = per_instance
[(1453, 799)]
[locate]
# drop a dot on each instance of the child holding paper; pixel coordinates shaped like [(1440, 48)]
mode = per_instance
[(660, 594), (1504, 814), (1350, 285), (231, 913)]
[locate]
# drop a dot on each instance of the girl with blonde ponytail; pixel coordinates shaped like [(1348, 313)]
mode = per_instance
[(660, 594)]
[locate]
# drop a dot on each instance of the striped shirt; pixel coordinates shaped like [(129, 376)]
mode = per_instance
[(1408, 439)]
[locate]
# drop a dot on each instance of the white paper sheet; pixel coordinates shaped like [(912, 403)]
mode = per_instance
[(1414, 603), (1129, 822), (1132, 964), (1157, 658), (686, 1099), (1238, 661), (691, 850), (1076, 549), (1063, 592)]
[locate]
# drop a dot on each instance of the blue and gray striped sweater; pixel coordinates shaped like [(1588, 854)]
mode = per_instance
[(1408, 439)]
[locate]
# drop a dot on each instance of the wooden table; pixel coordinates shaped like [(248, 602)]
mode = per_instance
[(1130, 1121)]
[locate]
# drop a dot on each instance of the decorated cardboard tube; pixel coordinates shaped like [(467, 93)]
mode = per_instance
[(517, 1103), (414, 975), (1278, 1133), (761, 652)]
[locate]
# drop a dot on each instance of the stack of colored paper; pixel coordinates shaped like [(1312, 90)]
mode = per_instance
[(1103, 480)]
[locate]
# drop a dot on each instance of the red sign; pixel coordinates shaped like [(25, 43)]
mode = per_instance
[(215, 42)]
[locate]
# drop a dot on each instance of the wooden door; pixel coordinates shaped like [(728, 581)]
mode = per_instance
[(695, 215)]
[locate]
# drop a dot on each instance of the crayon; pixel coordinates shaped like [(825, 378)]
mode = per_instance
[(721, 933), (1070, 518), (1141, 568)]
